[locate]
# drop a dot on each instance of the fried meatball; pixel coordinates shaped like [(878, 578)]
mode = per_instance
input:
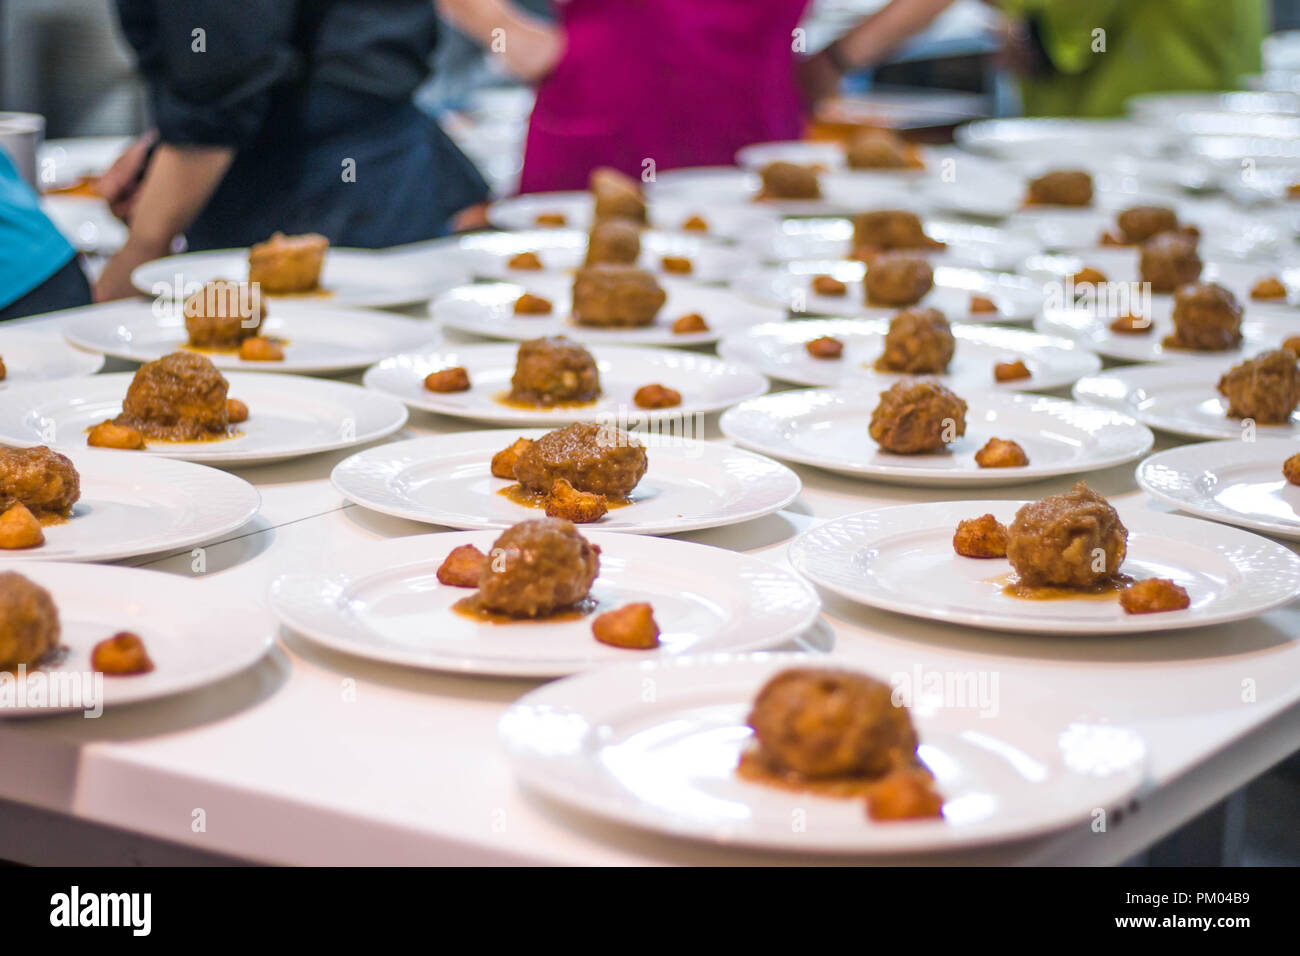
[(108, 435), (179, 397), (632, 626), (615, 241), (692, 323), (121, 655), (536, 568), (887, 230), (879, 149), (1016, 371), (657, 396), (1265, 388), (916, 417), (286, 264), (1137, 224), (41, 479), (445, 380), (601, 459), (821, 722), (1168, 261), (782, 180), (527, 261), (1001, 453), (222, 314), (1063, 187), (1270, 287), (462, 567), (609, 295), (982, 537), (905, 794), (825, 347), (580, 507), (29, 621), (918, 340), (1291, 469), (529, 304), (503, 462), (616, 196), (898, 279), (552, 370), (1206, 317), (1153, 596), (19, 528), (828, 285), (1073, 539)]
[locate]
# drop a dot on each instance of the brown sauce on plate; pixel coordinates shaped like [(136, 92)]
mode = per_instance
[(470, 607), (503, 398), (533, 499), (754, 768), (1104, 591)]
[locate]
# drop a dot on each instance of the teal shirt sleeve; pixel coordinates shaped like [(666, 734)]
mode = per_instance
[(31, 248)]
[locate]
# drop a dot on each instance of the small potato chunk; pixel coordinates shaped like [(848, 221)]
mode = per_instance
[(1110, 238), (108, 435), (905, 794), (982, 305), (1292, 345), (236, 411), (1293, 191), (551, 219), (258, 349), (1153, 596), (825, 347), (448, 380), (632, 626), (503, 462), (19, 528), (1010, 371), (1000, 453), (829, 285), (657, 396), (4, 372), (1089, 276), (524, 260), (696, 224), (462, 567), (1270, 287), (982, 537), (1132, 325), (1291, 469), (580, 507), (689, 324), (678, 265), (121, 655), (529, 304)]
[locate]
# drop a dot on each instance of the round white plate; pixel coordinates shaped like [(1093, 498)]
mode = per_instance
[(63, 162), (42, 355), (970, 245), (487, 254), (289, 416), (843, 193), (1052, 139), (319, 337), (386, 604), (789, 286), (826, 155), (706, 384), (349, 277), (724, 222), (130, 507), (86, 222), (1181, 399), (447, 480), (488, 309), (1226, 233), (827, 428), (1164, 109), (901, 559), (777, 350), (668, 764), (1236, 482), (188, 649)]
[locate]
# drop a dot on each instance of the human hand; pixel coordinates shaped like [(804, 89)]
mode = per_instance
[(120, 183), (115, 281), (819, 78), (530, 52)]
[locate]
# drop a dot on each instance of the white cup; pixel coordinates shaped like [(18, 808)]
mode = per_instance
[(21, 135)]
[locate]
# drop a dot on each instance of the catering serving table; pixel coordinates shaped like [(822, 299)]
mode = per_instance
[(315, 757)]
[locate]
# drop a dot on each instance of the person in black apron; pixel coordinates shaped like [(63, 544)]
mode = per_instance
[(283, 115)]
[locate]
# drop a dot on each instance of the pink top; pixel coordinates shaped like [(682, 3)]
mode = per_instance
[(682, 82)]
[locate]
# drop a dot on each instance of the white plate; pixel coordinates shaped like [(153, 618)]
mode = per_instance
[(349, 277), (63, 162), (289, 416), (1181, 399), (487, 254), (725, 222), (1225, 233), (1164, 109), (789, 286), (827, 427), (387, 604), (843, 192), (706, 384), (901, 559), (86, 222), (667, 764), (970, 245), (42, 355), (188, 649), (130, 507), (830, 157), (1236, 482), (1002, 194), (320, 337), (777, 350), (446, 480), (488, 309), (1052, 139)]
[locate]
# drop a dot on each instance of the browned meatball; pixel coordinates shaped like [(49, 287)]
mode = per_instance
[(222, 314), (179, 397), (982, 537), (610, 295), (1064, 187), (885, 230), (29, 621), (1153, 596), (918, 340), (1168, 261), (1207, 317), (1070, 540), (821, 722), (916, 417), (782, 180), (552, 370), (1139, 223), (42, 480), (536, 568), (614, 240), (616, 196), (879, 149), (1265, 388), (285, 264), (596, 458), (898, 279)]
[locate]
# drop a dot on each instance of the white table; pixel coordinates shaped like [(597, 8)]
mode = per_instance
[(314, 757)]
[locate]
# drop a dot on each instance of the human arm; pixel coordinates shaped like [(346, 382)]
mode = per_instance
[(529, 46)]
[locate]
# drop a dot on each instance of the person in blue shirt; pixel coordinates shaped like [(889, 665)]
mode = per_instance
[(39, 271)]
